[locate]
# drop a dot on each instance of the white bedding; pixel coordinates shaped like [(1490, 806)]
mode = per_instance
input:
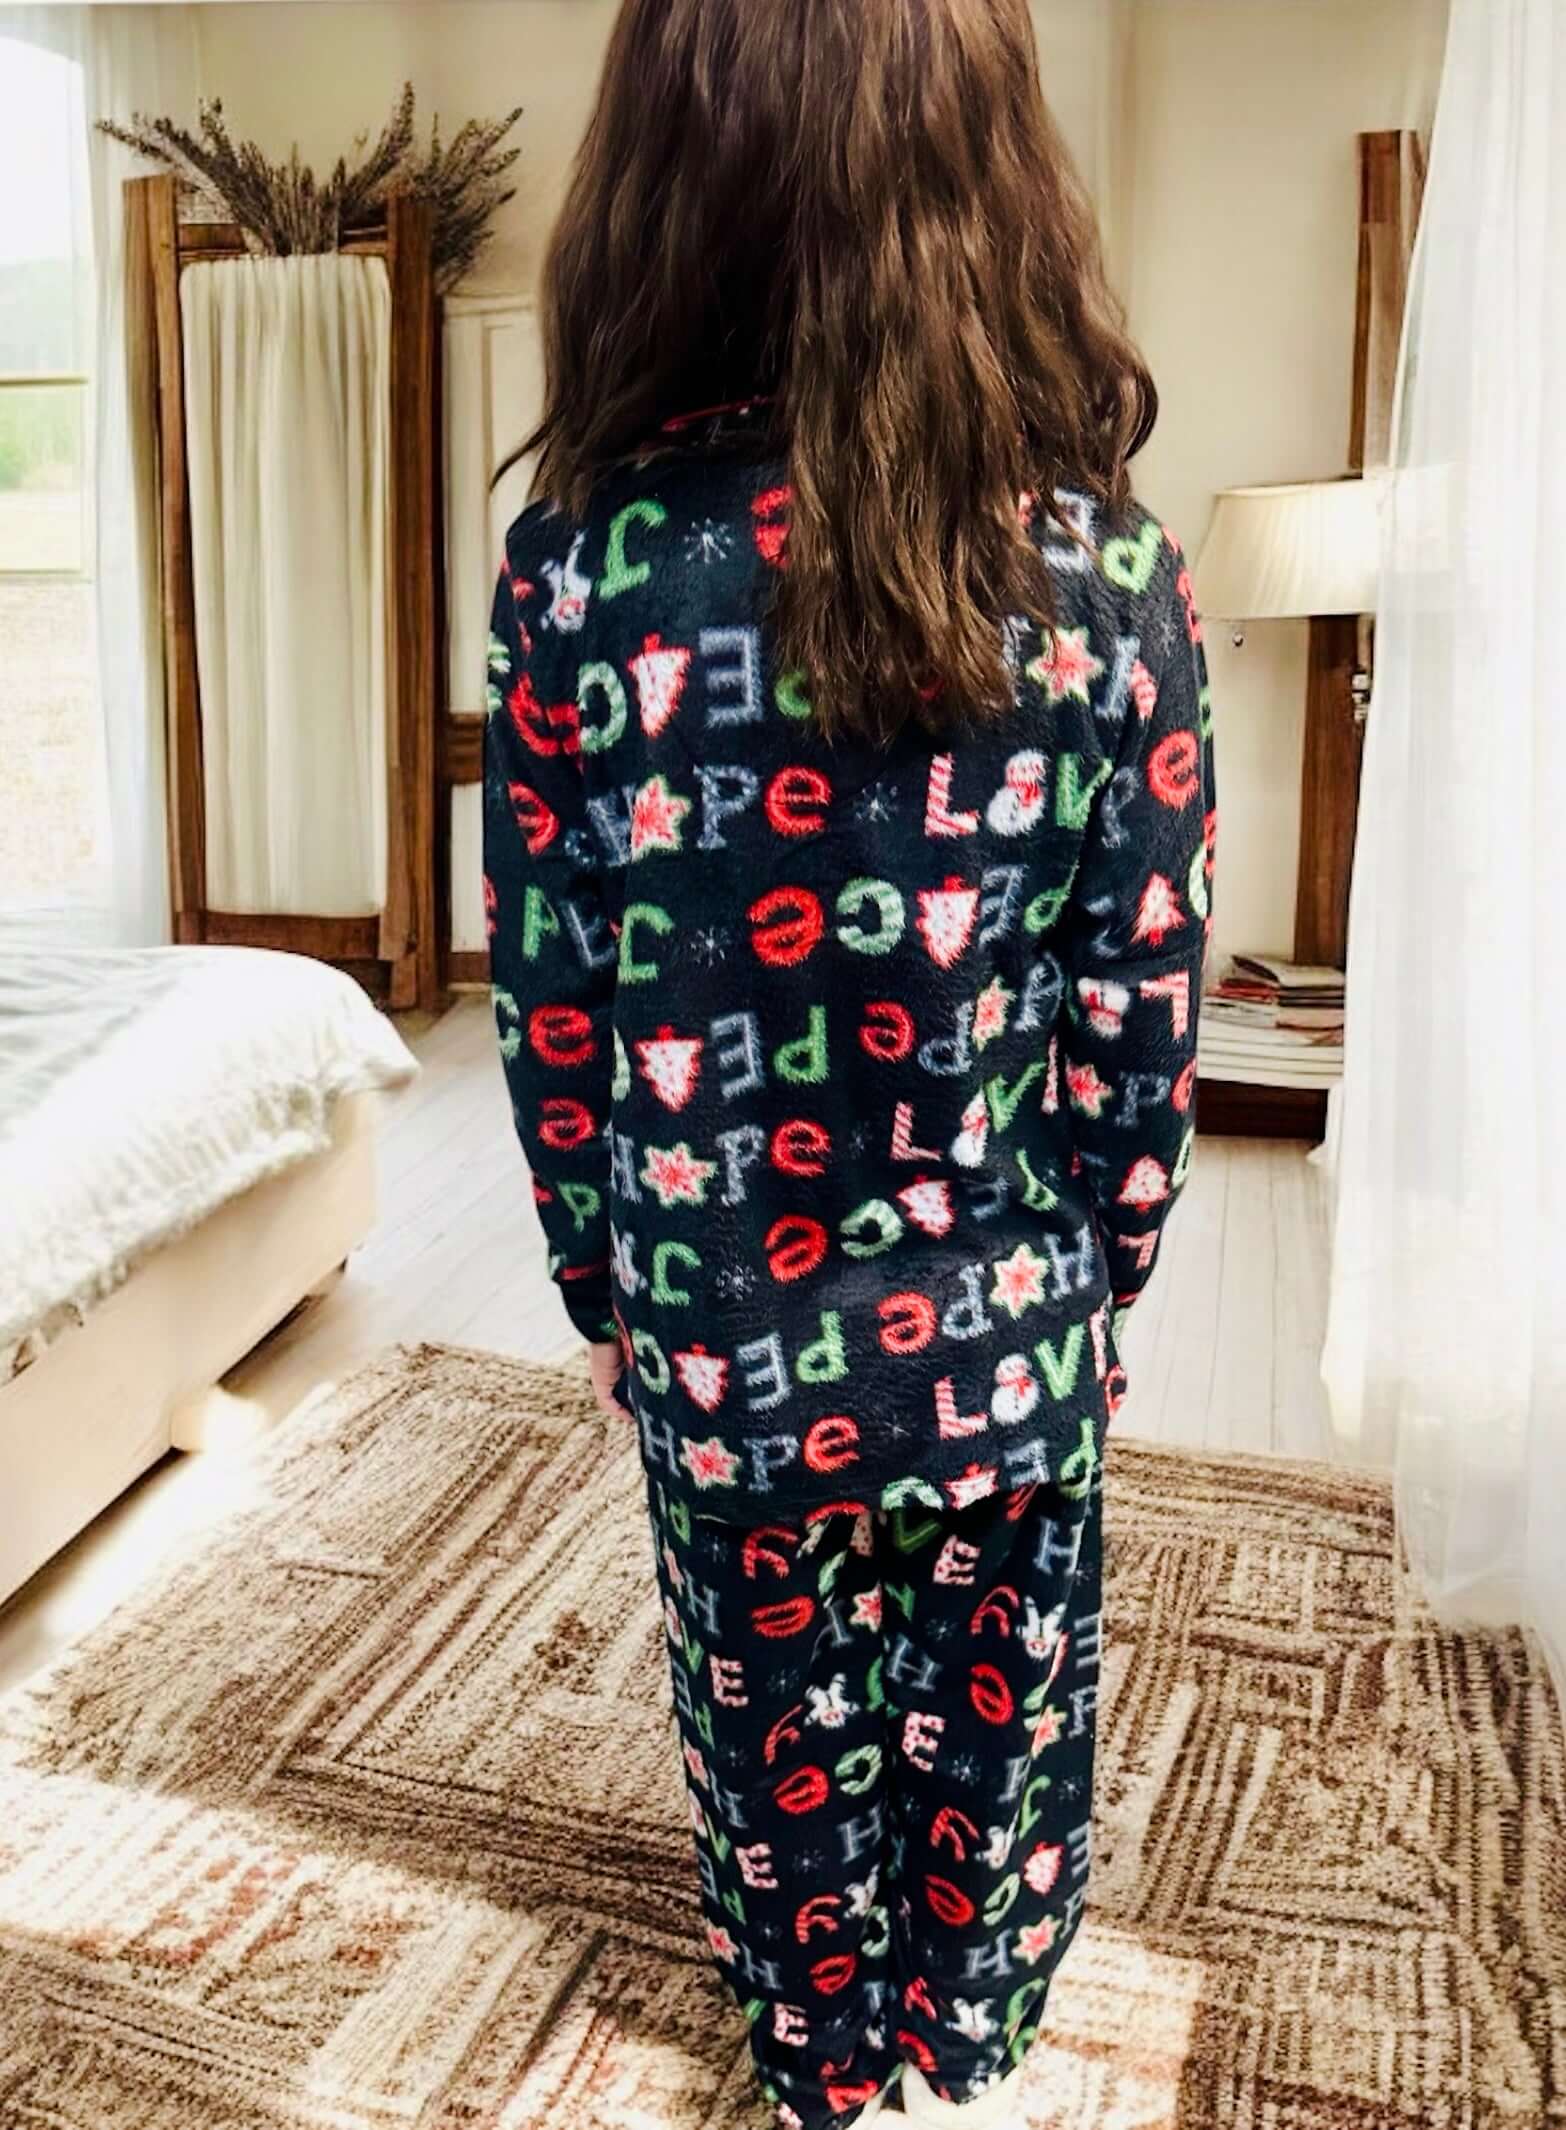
[(140, 1089)]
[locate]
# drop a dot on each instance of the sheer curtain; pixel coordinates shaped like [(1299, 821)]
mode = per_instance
[(1446, 1347), (135, 58), (287, 396)]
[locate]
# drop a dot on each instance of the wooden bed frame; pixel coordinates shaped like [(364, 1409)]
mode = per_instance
[(138, 1376), (400, 954)]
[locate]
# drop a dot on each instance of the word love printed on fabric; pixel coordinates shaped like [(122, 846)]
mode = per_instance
[(856, 1083)]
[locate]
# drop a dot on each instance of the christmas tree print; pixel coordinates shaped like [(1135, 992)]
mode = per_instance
[(676, 1177), (703, 1376), (931, 1184), (660, 673), (1158, 913), (1066, 666), (1146, 1184), (946, 920), (928, 1204), (657, 815), (671, 1065)]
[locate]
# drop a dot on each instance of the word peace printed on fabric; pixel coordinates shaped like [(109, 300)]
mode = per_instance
[(856, 1082)]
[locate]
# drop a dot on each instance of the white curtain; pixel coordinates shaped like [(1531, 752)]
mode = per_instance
[(131, 59), (1446, 1349), (287, 382)]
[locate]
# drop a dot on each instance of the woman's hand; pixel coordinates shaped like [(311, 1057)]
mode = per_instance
[(605, 1361)]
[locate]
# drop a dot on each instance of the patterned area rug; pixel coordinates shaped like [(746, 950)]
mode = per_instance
[(367, 1817)]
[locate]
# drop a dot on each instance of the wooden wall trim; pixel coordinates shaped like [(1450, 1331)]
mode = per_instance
[(411, 941), (152, 251), (1391, 191), (462, 748), (335, 939)]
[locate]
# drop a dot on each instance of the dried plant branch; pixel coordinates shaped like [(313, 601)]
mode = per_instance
[(284, 208)]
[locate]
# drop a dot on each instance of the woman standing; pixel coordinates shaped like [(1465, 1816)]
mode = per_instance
[(848, 827)]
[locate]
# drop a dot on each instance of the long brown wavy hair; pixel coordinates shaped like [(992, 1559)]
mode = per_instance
[(863, 209)]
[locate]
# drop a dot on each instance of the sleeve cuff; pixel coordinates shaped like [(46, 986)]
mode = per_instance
[(590, 1306)]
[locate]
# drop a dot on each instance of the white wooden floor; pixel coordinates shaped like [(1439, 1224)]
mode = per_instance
[(1221, 1352)]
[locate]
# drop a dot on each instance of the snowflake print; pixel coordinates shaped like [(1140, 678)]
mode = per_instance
[(657, 818), (711, 1463), (941, 1630), (1065, 666), (965, 1769), (708, 945), (709, 542), (676, 1177), (734, 1282), (876, 804), (1019, 1281)]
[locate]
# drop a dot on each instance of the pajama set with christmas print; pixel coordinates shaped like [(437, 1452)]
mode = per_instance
[(856, 1084)]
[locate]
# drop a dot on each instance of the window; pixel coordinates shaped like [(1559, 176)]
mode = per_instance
[(54, 842)]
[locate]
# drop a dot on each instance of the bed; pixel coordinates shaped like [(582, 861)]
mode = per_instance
[(186, 1153)]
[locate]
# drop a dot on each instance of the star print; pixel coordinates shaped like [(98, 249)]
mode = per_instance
[(656, 817), (1065, 666), (676, 1177), (1019, 1281)]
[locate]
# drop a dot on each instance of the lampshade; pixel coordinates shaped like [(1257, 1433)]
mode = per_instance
[(1310, 547)]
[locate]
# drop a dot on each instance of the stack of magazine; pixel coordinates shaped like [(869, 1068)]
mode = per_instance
[(1273, 1023)]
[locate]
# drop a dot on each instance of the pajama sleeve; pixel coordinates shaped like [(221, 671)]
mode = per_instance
[(1138, 925), (552, 965)]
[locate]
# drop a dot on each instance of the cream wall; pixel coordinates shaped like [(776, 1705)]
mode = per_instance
[(1242, 256), (1217, 137), (323, 70), (320, 72)]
